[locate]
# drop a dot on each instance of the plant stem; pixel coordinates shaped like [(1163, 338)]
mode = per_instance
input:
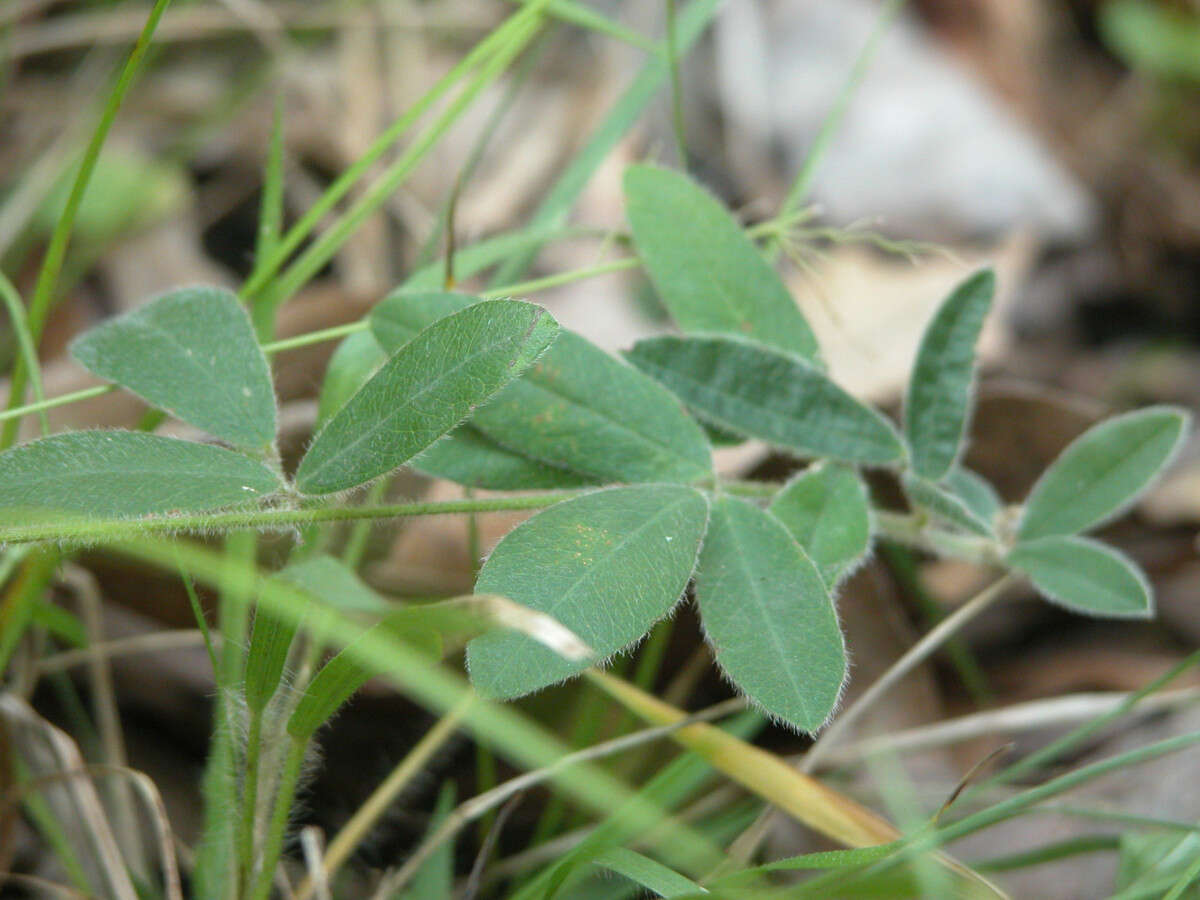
[(245, 835), (104, 530), (917, 654), (676, 89), (25, 342), (43, 292), (280, 815)]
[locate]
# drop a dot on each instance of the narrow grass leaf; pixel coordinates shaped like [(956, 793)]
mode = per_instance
[(193, 353), (827, 511), (578, 408), (1102, 472), (607, 565), (939, 390), (769, 395), (975, 491), (127, 473), (337, 588), (707, 272), (945, 506), (331, 687), (269, 644), (1085, 576), (334, 583), (646, 872), (425, 389), (768, 615), (435, 879)]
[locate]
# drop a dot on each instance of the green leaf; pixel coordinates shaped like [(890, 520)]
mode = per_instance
[(826, 509), (334, 583), (707, 271), (975, 491), (939, 391), (269, 644), (607, 565), (193, 353), (425, 389), (332, 686), (434, 879), (944, 505), (469, 457), (127, 473), (1155, 38), (769, 395), (646, 872), (1085, 576), (578, 408), (356, 359), (768, 616), (1102, 472), (337, 587)]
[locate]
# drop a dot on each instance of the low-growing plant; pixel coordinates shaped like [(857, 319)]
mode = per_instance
[(615, 457)]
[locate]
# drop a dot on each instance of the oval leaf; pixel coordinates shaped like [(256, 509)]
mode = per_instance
[(578, 408), (939, 391), (768, 395), (975, 491), (1085, 576), (128, 473), (193, 353), (355, 360), (944, 505), (827, 511), (1102, 472), (424, 390), (768, 616), (607, 565), (707, 271), (469, 457)]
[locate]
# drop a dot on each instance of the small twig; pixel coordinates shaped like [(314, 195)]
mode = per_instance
[(489, 845)]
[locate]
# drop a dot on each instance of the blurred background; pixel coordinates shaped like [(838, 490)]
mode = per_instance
[(1058, 140)]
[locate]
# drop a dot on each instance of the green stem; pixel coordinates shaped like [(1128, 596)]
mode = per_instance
[(43, 292), (676, 89), (99, 531), (25, 343), (281, 813), (245, 837)]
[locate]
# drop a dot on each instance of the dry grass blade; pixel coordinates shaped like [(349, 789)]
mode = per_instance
[(46, 750), (156, 642), (807, 800)]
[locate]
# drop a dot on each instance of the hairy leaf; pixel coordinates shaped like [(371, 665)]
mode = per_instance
[(939, 391), (469, 457), (193, 353), (607, 565), (1102, 472), (127, 473), (768, 615), (425, 389), (944, 505), (1085, 576), (769, 395), (706, 270), (355, 360), (269, 644), (578, 408), (975, 491), (826, 510)]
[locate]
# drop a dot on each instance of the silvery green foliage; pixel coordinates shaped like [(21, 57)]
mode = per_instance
[(426, 388), (191, 352), (494, 394), (126, 474)]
